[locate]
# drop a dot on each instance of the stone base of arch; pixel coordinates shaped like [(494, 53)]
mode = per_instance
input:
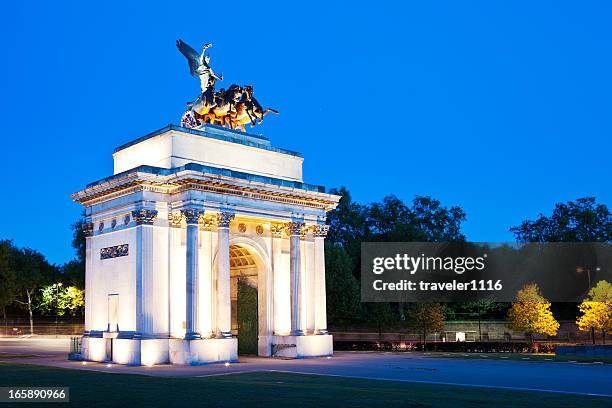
[(303, 346), (203, 351)]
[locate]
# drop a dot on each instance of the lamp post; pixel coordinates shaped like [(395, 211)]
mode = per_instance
[(57, 286), (581, 269)]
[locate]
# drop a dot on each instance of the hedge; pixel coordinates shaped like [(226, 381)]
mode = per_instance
[(462, 347)]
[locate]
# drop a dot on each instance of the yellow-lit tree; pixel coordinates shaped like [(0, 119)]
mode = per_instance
[(531, 312), (597, 310), (427, 318)]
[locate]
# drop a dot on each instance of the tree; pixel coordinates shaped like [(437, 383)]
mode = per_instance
[(427, 318), (582, 220), (341, 286), (32, 271), (531, 312), (597, 310), (476, 308), (8, 279), (61, 300), (74, 270), (351, 223)]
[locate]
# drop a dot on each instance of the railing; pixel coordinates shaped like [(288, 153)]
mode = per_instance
[(75, 345)]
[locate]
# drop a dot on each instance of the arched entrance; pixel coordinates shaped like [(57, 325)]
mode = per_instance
[(244, 281)]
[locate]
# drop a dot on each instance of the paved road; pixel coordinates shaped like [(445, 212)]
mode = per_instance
[(413, 367), (36, 346)]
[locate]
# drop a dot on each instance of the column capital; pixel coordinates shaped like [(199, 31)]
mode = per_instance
[(144, 216), (224, 219), (87, 228), (319, 230), (294, 227), (192, 215)]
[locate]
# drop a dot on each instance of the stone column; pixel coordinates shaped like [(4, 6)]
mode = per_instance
[(320, 232), (192, 216), (281, 298), (174, 241), (206, 278), (144, 219), (224, 300), (297, 312), (88, 232)]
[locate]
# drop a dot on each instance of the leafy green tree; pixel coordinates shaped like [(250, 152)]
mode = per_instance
[(582, 220), (426, 318), (74, 270), (341, 286), (32, 271), (8, 279), (351, 223), (61, 300)]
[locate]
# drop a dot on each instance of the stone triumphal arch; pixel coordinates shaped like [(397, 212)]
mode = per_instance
[(202, 239)]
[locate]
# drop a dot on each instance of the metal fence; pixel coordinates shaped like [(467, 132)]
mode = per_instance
[(468, 331), (42, 326)]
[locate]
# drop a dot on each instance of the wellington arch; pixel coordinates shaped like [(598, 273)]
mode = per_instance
[(203, 245)]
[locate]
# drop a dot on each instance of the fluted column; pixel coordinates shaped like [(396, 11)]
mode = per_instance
[(224, 301), (320, 232), (281, 286), (144, 219), (207, 297), (192, 216), (88, 232), (295, 228)]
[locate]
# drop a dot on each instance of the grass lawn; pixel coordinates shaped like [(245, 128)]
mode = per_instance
[(525, 357), (93, 389)]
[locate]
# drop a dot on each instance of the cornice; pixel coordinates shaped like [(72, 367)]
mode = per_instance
[(190, 180)]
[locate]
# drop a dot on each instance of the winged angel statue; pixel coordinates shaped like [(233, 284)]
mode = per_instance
[(232, 108)]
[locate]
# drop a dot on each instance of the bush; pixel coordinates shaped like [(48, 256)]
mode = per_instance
[(460, 347)]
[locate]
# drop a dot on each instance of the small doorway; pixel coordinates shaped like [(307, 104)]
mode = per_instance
[(246, 317)]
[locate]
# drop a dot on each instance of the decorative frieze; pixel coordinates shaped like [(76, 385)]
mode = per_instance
[(224, 219), (320, 230), (259, 229), (208, 223), (277, 230), (144, 216), (242, 227), (114, 251), (175, 219)]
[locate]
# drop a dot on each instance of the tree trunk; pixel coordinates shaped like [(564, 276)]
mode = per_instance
[(5, 320), (603, 336), (30, 312), (593, 335), (424, 340)]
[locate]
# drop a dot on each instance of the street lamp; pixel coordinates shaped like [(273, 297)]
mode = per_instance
[(57, 286), (581, 269)]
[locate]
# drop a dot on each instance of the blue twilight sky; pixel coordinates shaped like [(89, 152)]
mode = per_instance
[(501, 107)]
